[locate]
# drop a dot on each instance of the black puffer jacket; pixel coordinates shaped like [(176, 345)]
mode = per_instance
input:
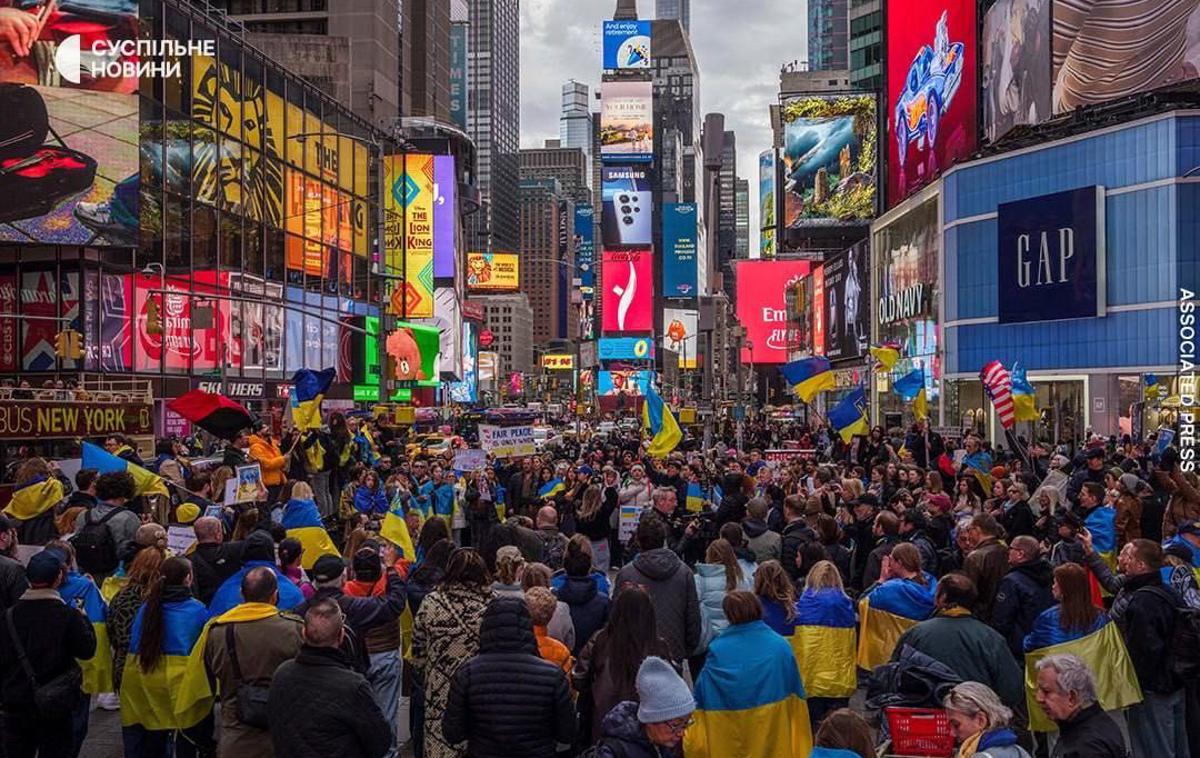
[(795, 534), (624, 736), (589, 608), (1090, 733), (507, 701), (1024, 593)]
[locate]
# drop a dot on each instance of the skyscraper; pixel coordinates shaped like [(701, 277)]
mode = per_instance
[(426, 59), (677, 9), (866, 44), (575, 124), (494, 121), (547, 257), (827, 34), (741, 195), (727, 207)]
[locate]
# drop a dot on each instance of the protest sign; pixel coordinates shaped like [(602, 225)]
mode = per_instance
[(507, 441), (470, 460)]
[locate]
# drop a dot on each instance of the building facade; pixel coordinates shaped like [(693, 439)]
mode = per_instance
[(727, 209), (547, 258), (742, 221), (426, 52), (828, 32), (510, 320), (866, 44), (575, 123), (679, 10)]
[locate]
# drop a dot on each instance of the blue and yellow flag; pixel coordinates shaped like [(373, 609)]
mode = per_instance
[(1101, 521), (151, 698), (1102, 649), (849, 417), (695, 497), (308, 390), (303, 522), (911, 387), (833, 752), (195, 689), (394, 529), (34, 498), (551, 488), (823, 643), (145, 482), (1024, 399), (229, 594), (886, 355), (664, 429), (809, 376), (887, 611), (980, 465), (750, 699), (81, 593)]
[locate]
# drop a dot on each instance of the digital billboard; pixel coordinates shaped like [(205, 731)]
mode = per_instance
[(1015, 65), (627, 218), (181, 331), (1107, 50), (625, 349), (447, 319), (847, 304), (766, 189), (829, 159), (408, 237), (680, 335), (679, 250), (320, 225), (931, 86), (585, 249), (631, 383), (493, 272), (627, 121), (767, 245), (445, 216), (626, 44), (762, 288), (311, 335), (628, 293), (819, 314)]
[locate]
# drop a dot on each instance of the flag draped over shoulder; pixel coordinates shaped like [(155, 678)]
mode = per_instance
[(303, 522), (1024, 399), (150, 698), (308, 390), (195, 691), (809, 376), (664, 429), (82, 594), (551, 488), (1102, 649), (34, 498), (215, 414), (145, 482), (394, 529), (888, 611), (750, 699), (849, 417), (823, 643), (886, 355)]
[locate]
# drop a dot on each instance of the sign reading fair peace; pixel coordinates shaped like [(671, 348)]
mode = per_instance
[(1051, 254), (507, 441)]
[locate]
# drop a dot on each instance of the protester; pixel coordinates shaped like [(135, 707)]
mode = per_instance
[(1024, 593), (980, 722), (903, 597), (987, 563), (580, 591), (1066, 691), (258, 552), (141, 574), (721, 574), (843, 734), (765, 544), (592, 521), (13, 582), (105, 533), (795, 533), (824, 640), (670, 585), (562, 625), (653, 725), (510, 564)]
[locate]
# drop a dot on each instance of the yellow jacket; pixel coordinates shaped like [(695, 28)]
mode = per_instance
[(270, 460)]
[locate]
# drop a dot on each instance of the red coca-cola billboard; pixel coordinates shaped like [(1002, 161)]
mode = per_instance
[(762, 308)]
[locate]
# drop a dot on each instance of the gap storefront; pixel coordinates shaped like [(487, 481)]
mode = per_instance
[(1068, 257)]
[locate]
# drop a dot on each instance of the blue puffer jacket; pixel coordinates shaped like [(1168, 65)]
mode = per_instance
[(589, 607)]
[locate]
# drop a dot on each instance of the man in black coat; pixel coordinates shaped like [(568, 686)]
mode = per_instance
[(1092, 472), (318, 705), (12, 574), (213, 560), (796, 532), (1025, 591), (507, 700), (886, 534), (1066, 691)]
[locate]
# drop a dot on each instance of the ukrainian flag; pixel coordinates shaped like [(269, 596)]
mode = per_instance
[(833, 752), (151, 698), (229, 594), (809, 376), (849, 417), (1102, 523), (887, 611), (195, 689), (424, 499), (980, 464), (551, 488), (750, 700), (394, 529), (665, 431), (911, 387), (145, 482), (1024, 400), (302, 521), (887, 355), (823, 643), (81, 592), (443, 501), (695, 497), (34, 498), (1101, 648), (308, 390)]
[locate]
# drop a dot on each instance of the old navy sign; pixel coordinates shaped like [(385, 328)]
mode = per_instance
[(905, 304), (1051, 253)]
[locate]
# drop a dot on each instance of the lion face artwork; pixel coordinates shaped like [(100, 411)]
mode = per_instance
[(479, 270), (402, 346)]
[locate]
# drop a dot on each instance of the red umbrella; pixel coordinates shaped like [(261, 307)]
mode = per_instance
[(215, 414)]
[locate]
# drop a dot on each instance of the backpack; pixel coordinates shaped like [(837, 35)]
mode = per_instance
[(554, 549), (1185, 637), (95, 546)]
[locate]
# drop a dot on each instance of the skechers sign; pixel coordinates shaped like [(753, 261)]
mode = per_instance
[(1051, 253)]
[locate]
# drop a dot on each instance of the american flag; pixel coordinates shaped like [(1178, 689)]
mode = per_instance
[(998, 385)]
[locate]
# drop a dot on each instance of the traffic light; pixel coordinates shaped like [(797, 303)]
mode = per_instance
[(60, 344), (69, 344)]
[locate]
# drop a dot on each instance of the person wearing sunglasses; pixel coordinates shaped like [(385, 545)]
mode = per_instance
[(654, 726)]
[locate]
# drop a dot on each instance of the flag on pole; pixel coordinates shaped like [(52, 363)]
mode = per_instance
[(308, 390), (998, 385), (215, 414), (849, 417), (911, 387), (657, 417), (1024, 400), (885, 355), (809, 376)]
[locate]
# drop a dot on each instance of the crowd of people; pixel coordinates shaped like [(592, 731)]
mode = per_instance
[(596, 601)]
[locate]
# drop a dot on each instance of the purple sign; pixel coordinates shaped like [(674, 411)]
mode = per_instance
[(444, 210)]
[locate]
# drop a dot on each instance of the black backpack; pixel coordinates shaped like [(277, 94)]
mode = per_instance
[(1185, 638), (95, 546)]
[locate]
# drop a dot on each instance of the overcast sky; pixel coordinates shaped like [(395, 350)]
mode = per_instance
[(739, 48)]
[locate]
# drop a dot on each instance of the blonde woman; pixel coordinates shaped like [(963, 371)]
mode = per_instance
[(980, 723), (824, 641), (510, 564)]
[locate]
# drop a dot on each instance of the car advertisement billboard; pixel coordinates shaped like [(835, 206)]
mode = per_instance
[(408, 228), (585, 249), (829, 159), (679, 250), (630, 383), (931, 86), (628, 294), (493, 272), (1107, 50), (766, 189), (680, 329), (847, 303), (762, 288), (627, 121), (627, 216), (626, 45), (445, 216), (625, 349), (1015, 65)]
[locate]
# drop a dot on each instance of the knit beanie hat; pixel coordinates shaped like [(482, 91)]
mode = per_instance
[(662, 693), (1131, 482)]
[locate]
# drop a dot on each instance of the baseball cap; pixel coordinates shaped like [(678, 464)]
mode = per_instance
[(327, 568), (44, 567), (1094, 452)]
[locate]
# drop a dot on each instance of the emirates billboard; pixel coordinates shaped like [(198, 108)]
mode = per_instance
[(762, 308)]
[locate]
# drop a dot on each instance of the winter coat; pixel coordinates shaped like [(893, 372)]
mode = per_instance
[(986, 565), (673, 591), (710, 590), (624, 736), (12, 582), (212, 564), (588, 606), (54, 636), (320, 706), (508, 701), (597, 527), (1184, 503), (1090, 733), (969, 648), (1129, 519), (634, 493), (765, 544), (874, 566), (595, 682), (1145, 612), (270, 460), (1017, 519), (998, 743), (1024, 593)]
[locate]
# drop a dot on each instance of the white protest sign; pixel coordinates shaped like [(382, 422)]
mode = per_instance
[(507, 441), (470, 460), (180, 539), (628, 522)]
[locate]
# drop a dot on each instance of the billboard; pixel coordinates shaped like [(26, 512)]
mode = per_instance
[(558, 362), (467, 390), (631, 383), (585, 249), (679, 250), (627, 217), (847, 303), (181, 331), (447, 319), (627, 121), (819, 314), (1015, 65), (680, 334), (493, 272), (458, 75), (319, 225), (445, 216), (931, 89), (409, 228), (311, 331), (767, 245), (829, 159), (625, 349), (628, 294), (762, 288), (766, 189), (1104, 51), (626, 44)]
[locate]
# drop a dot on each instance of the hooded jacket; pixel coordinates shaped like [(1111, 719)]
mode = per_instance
[(673, 591), (624, 736), (1024, 593), (507, 700), (588, 606), (795, 534), (710, 590), (765, 544)]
